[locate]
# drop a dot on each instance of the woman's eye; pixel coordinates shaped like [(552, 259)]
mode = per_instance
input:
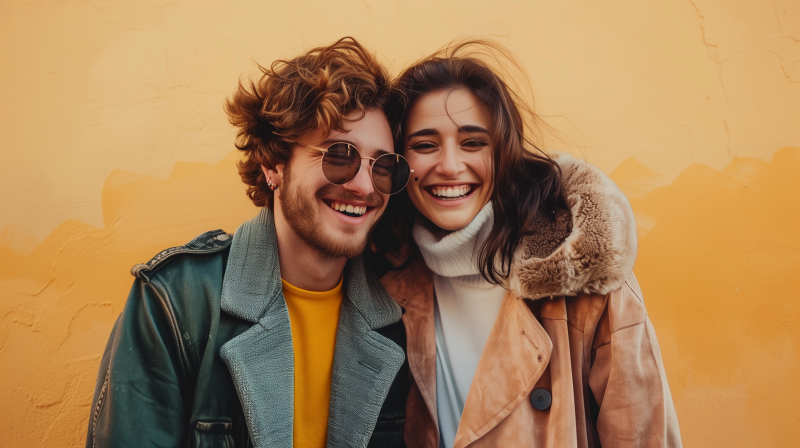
[(475, 144), (423, 146)]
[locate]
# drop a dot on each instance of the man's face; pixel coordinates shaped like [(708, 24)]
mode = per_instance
[(307, 199)]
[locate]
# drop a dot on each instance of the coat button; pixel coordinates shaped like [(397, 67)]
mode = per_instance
[(541, 399)]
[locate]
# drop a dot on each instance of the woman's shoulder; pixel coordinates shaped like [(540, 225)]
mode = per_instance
[(589, 246)]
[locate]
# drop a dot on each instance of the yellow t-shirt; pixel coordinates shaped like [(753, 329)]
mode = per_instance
[(315, 318)]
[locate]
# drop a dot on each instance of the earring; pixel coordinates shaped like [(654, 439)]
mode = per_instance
[(270, 185)]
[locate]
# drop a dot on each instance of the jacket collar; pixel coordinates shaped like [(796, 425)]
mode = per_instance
[(261, 360), (252, 282), (590, 247)]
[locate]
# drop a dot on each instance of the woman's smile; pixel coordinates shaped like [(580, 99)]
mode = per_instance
[(449, 193), (448, 144)]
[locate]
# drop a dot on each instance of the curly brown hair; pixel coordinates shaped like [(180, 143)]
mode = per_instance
[(292, 98)]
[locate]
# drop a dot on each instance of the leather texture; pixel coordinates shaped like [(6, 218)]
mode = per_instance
[(201, 356)]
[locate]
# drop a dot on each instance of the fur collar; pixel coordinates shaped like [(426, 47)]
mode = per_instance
[(589, 248)]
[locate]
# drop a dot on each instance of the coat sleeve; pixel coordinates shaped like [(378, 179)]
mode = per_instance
[(138, 399), (627, 376)]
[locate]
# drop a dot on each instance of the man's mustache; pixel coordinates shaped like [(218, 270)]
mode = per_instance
[(336, 192)]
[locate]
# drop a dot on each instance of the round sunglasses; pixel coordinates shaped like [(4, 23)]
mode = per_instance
[(341, 162)]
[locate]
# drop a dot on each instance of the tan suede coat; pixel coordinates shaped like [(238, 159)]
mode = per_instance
[(573, 323)]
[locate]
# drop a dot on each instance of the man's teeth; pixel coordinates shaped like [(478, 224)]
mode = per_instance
[(349, 208), (451, 192)]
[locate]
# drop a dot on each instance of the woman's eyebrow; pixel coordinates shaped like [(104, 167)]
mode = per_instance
[(423, 132), (471, 129)]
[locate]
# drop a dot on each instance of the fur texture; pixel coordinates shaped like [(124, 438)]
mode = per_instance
[(589, 248)]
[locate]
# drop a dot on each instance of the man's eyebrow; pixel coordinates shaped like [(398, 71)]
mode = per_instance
[(423, 132), (329, 142)]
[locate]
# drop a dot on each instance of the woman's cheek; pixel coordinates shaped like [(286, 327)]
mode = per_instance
[(415, 192), (415, 183)]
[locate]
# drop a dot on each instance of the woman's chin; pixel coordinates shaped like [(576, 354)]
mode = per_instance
[(451, 220)]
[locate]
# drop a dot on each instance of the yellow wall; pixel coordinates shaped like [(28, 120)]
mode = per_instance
[(114, 146)]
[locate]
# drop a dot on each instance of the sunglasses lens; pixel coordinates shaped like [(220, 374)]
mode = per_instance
[(340, 163), (390, 173)]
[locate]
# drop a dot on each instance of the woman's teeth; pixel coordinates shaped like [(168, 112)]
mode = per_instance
[(357, 210), (451, 192)]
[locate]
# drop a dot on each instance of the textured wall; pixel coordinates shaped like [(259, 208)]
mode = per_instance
[(114, 145)]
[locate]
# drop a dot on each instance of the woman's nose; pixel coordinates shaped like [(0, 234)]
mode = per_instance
[(450, 163)]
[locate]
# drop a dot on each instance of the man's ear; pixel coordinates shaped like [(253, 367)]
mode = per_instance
[(274, 175)]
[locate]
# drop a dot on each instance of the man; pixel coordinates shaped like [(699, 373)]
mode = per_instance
[(276, 336)]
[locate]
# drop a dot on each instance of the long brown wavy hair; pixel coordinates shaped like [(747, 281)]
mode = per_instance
[(291, 98), (526, 180)]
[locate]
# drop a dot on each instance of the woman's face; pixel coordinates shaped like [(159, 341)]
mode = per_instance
[(451, 155)]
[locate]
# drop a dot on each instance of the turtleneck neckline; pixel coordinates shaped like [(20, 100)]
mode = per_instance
[(455, 254)]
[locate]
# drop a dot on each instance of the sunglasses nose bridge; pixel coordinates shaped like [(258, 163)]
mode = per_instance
[(358, 158)]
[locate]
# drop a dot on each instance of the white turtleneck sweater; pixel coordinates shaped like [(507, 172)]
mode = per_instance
[(466, 308)]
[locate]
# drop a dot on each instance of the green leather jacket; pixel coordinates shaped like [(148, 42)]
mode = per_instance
[(202, 354)]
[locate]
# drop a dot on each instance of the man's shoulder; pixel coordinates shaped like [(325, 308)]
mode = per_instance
[(214, 244), (187, 281)]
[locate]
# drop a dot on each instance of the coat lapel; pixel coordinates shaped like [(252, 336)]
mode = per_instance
[(412, 288), (366, 362), (260, 360), (515, 356)]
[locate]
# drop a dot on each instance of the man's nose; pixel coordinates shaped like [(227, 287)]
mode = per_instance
[(361, 185)]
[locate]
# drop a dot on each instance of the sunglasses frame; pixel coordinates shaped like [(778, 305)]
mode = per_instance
[(372, 164)]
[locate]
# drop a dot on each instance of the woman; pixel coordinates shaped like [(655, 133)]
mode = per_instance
[(525, 324)]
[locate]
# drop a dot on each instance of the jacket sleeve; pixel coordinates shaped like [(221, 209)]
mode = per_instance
[(627, 376), (138, 399)]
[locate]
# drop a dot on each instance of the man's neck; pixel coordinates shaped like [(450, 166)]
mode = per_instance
[(303, 266)]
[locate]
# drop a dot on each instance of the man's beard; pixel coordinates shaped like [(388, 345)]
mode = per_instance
[(296, 205)]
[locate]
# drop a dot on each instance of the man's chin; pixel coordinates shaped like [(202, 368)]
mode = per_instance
[(347, 244), (341, 250), (329, 239)]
